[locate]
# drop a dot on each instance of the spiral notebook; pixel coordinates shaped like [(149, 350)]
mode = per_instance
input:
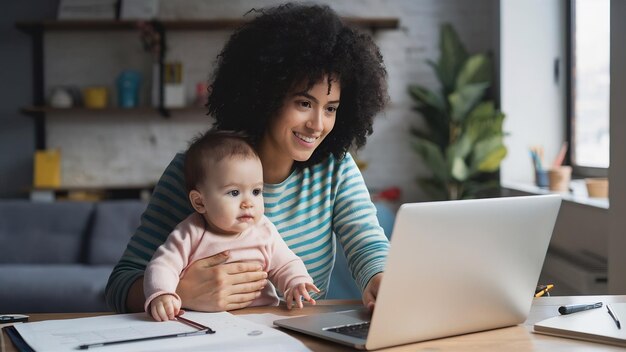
[(594, 325)]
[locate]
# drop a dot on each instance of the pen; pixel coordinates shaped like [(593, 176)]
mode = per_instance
[(195, 324), (578, 308), (204, 330), (543, 289), (614, 316)]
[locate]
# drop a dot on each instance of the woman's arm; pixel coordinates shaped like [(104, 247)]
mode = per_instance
[(357, 227), (167, 207)]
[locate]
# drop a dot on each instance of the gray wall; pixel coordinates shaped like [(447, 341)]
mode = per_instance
[(17, 131), (617, 172)]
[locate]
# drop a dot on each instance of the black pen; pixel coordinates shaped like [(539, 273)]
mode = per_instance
[(204, 330), (578, 308), (614, 316)]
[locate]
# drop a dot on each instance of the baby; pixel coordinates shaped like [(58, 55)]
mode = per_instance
[(224, 178)]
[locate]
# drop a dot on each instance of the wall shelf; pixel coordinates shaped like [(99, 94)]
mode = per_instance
[(91, 193), (36, 30), (36, 110), (373, 23)]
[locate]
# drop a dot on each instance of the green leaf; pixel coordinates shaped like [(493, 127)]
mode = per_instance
[(484, 121), (476, 69), (465, 99), (459, 149), (427, 97), (459, 170), (432, 156), (437, 124), (492, 161), (488, 154), (453, 55)]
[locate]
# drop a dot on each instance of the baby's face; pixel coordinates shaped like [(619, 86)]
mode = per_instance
[(233, 194)]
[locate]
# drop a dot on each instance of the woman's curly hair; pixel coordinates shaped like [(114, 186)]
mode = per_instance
[(285, 47)]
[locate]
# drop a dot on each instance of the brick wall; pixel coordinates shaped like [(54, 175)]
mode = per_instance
[(134, 149)]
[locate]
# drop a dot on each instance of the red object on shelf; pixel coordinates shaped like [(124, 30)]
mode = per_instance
[(390, 194)]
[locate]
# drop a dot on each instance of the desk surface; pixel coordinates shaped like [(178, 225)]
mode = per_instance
[(516, 338)]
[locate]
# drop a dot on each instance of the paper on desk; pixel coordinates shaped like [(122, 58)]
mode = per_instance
[(266, 319), (232, 333)]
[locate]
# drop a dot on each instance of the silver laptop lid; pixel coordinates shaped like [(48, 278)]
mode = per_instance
[(461, 266)]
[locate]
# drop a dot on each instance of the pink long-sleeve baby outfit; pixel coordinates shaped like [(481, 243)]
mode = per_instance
[(190, 241)]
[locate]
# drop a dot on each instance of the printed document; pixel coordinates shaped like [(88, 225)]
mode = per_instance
[(232, 333)]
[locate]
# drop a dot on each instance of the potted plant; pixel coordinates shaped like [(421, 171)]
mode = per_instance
[(461, 140)]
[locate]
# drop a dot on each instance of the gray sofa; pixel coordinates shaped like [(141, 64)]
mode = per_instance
[(57, 257)]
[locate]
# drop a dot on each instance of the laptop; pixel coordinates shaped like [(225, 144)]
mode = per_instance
[(454, 267)]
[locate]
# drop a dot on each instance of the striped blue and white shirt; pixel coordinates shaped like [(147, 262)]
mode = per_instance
[(309, 208)]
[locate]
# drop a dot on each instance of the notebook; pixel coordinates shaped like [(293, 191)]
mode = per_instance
[(592, 325), (454, 267)]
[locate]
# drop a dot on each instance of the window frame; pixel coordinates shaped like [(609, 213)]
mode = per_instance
[(578, 171)]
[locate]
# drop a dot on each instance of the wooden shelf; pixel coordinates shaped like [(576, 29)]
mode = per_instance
[(373, 23), (93, 188), (35, 110), (91, 193), (37, 29)]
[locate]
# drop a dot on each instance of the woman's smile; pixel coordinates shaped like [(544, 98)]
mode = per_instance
[(305, 140)]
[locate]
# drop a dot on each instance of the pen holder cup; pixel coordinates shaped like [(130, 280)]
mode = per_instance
[(559, 178), (541, 178), (597, 187)]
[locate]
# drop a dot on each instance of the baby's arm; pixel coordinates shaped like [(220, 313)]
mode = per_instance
[(287, 271), (165, 307), (163, 271)]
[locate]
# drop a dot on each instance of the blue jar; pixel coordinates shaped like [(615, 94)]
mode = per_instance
[(128, 84)]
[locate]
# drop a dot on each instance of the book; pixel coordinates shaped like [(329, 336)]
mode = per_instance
[(47, 168), (594, 325)]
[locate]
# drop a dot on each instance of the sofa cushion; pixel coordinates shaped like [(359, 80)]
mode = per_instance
[(113, 225), (52, 288), (33, 232)]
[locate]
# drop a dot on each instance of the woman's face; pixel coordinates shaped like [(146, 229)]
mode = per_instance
[(306, 118)]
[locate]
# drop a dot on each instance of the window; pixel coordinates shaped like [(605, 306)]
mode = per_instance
[(589, 80)]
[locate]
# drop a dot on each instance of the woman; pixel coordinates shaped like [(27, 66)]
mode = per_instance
[(305, 88)]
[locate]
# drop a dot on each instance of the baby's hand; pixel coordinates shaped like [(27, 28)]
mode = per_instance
[(299, 291), (165, 307)]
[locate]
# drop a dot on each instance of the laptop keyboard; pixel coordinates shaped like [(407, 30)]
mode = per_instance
[(358, 330)]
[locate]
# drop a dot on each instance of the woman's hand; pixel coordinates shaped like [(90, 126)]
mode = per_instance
[(371, 291), (210, 286)]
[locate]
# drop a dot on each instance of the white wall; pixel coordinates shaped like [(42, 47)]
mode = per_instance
[(617, 171), (531, 38), (579, 228), (134, 149)]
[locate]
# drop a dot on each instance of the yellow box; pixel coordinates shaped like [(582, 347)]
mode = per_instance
[(95, 97), (47, 168)]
